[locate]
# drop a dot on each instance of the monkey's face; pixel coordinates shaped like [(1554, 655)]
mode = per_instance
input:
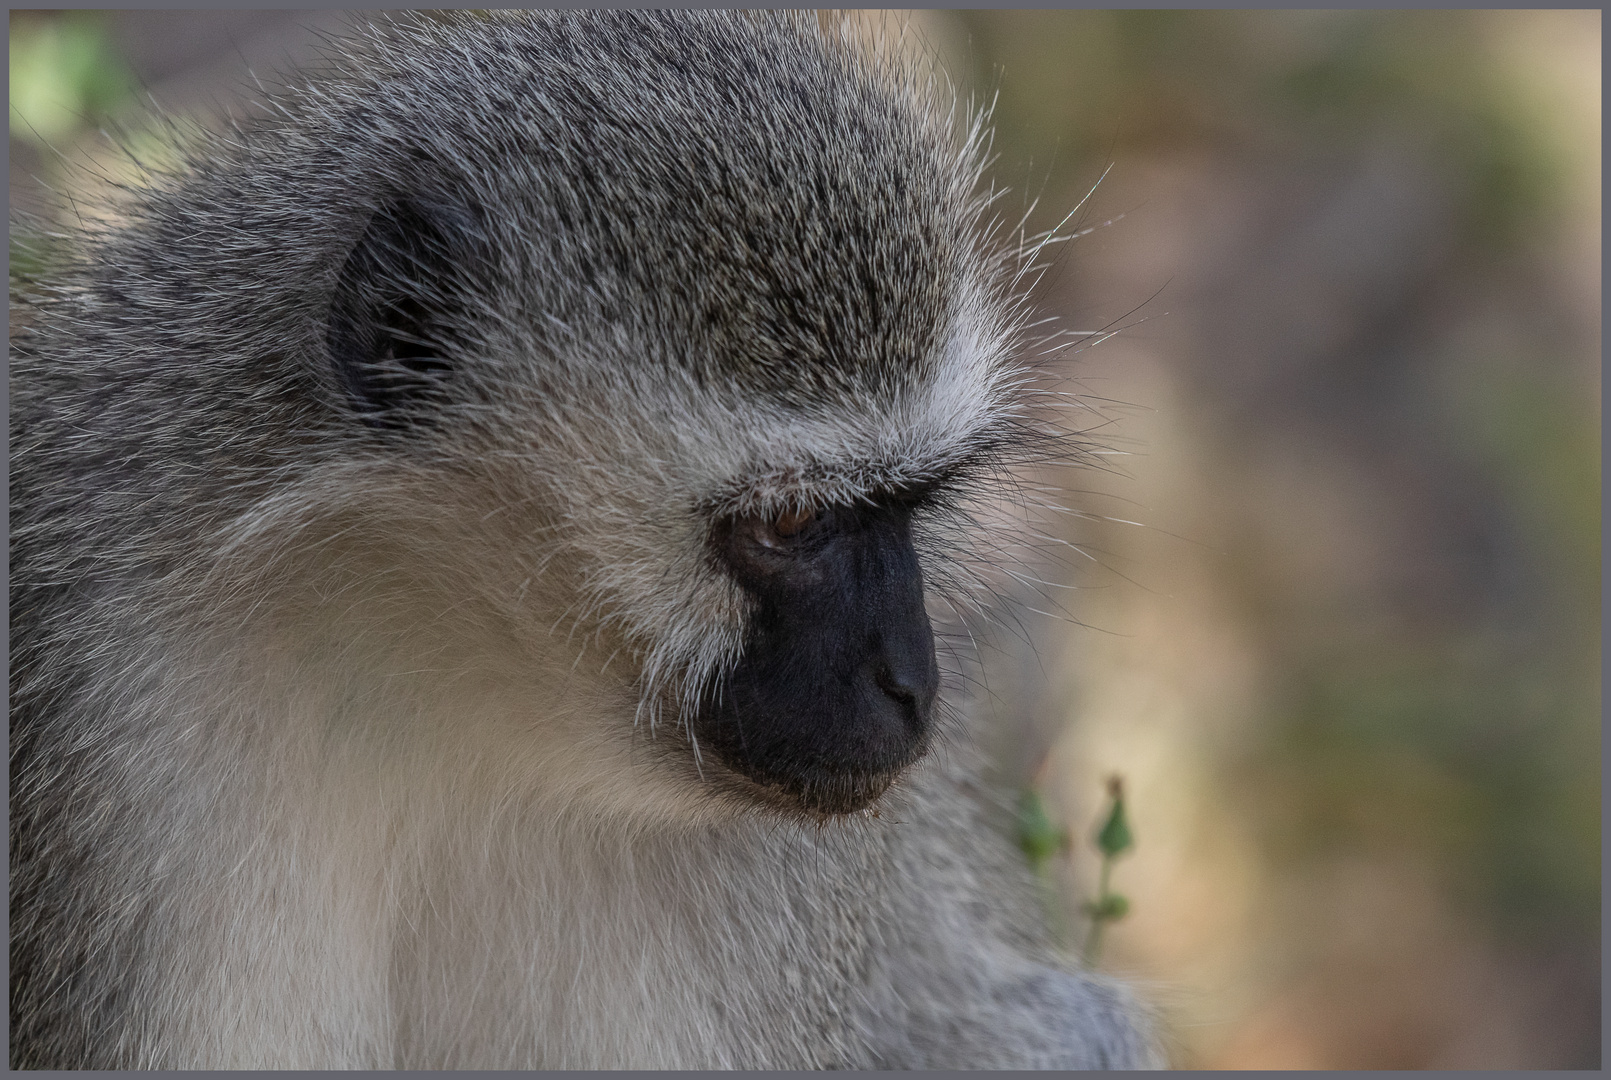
[(712, 398), (755, 564)]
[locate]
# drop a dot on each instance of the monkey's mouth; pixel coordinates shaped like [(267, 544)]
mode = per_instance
[(815, 796)]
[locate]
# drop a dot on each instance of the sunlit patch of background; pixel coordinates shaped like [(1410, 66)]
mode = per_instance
[(1347, 657)]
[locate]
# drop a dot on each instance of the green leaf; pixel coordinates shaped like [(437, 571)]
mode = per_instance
[(1037, 836), (1110, 907), (1115, 838)]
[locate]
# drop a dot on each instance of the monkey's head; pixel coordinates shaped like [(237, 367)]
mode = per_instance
[(677, 335)]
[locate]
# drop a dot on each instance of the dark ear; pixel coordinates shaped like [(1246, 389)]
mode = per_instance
[(400, 316)]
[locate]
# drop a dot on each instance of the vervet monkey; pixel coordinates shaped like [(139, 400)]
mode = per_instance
[(472, 532)]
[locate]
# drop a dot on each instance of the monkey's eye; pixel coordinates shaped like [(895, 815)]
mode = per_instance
[(792, 523), (756, 541), (785, 530)]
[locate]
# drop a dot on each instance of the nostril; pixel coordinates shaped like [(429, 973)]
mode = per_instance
[(902, 690), (912, 686)]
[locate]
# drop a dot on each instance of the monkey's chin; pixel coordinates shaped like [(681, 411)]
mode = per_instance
[(813, 797)]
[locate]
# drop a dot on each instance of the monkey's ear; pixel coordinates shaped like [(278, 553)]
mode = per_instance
[(398, 317)]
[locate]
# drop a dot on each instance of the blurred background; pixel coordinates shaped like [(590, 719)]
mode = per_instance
[(1333, 608)]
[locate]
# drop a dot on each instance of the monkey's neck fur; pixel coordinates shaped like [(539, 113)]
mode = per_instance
[(396, 870)]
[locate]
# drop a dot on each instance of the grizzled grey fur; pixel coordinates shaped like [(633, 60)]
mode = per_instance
[(363, 473)]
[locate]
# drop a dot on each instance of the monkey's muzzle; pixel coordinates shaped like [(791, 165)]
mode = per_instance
[(834, 693)]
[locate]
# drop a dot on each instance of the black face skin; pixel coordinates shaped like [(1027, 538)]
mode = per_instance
[(835, 692)]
